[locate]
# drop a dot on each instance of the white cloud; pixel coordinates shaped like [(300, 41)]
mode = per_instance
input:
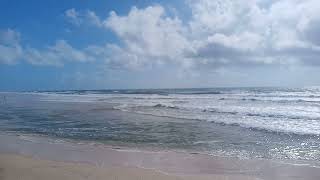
[(12, 52), (220, 33), (10, 49), (57, 54), (78, 18), (242, 42), (253, 31), (149, 35), (73, 16), (93, 18)]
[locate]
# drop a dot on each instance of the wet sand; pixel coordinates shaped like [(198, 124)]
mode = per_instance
[(13, 167), (37, 158)]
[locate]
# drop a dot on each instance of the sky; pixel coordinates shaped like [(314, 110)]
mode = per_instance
[(105, 44)]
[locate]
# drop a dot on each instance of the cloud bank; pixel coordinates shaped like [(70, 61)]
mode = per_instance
[(12, 51), (219, 33)]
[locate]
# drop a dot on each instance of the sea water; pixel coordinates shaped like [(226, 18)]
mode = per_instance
[(272, 123)]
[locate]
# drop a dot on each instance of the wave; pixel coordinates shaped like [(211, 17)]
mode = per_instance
[(275, 123), (239, 124), (198, 111), (199, 93), (276, 116), (138, 91), (213, 110), (165, 106), (241, 99), (271, 100), (263, 115)]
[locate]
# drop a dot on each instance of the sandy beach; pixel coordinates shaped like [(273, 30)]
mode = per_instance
[(37, 158), (71, 140), (14, 167), (160, 90)]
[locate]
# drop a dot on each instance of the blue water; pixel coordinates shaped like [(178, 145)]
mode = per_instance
[(272, 123)]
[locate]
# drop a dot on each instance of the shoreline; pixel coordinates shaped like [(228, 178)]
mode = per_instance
[(14, 167), (122, 147), (170, 163)]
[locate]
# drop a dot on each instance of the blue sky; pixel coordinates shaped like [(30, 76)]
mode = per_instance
[(46, 45)]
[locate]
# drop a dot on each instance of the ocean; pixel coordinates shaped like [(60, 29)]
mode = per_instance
[(268, 123)]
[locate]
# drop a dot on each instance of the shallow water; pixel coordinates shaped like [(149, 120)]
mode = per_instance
[(270, 123)]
